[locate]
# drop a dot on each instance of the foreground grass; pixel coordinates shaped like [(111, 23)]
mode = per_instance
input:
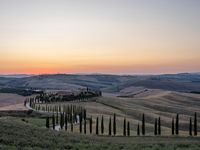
[(18, 134)]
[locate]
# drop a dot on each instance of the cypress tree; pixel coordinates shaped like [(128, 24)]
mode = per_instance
[(177, 124), (138, 129), (195, 124), (114, 124), (72, 128), (159, 126), (124, 133), (84, 114), (80, 123), (57, 118), (128, 129), (63, 119), (66, 122), (53, 122), (143, 125), (109, 127), (102, 125), (190, 127), (155, 127), (47, 122), (172, 126), (97, 126), (91, 125), (84, 126)]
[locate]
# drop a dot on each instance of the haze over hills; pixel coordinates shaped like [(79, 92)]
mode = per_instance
[(15, 75), (184, 82)]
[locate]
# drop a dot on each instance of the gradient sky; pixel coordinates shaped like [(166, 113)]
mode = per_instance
[(104, 36)]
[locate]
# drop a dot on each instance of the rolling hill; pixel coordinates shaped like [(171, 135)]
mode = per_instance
[(184, 82)]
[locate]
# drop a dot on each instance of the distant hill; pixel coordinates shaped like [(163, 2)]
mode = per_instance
[(184, 82), (16, 75)]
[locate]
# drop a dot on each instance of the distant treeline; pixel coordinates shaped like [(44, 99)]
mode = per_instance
[(195, 92), (23, 92), (50, 98)]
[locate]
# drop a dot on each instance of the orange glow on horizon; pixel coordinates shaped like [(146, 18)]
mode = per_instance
[(99, 37)]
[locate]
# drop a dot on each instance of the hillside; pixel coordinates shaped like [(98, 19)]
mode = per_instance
[(7, 101), (108, 83), (130, 97)]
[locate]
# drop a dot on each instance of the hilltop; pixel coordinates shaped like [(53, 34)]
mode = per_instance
[(185, 82)]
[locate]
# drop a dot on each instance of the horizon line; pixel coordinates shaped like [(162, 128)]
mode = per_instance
[(37, 74)]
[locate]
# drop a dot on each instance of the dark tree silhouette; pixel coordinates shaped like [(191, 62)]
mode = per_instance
[(143, 124), (138, 129), (97, 126), (195, 124), (159, 126), (47, 122), (177, 124), (91, 125), (53, 122), (114, 124), (102, 125), (155, 127), (84, 126), (80, 123), (66, 124), (72, 128), (84, 114), (190, 127), (124, 133), (109, 127), (60, 120), (57, 118), (172, 126), (128, 128)]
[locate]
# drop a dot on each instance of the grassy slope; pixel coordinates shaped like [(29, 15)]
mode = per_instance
[(164, 105), (16, 134)]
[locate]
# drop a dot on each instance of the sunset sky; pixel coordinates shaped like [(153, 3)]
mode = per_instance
[(99, 36)]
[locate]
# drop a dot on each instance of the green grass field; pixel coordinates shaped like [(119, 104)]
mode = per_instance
[(30, 134)]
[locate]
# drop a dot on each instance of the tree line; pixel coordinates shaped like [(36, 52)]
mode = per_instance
[(56, 97), (112, 125)]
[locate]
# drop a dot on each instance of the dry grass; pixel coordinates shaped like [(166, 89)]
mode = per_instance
[(164, 104), (11, 102)]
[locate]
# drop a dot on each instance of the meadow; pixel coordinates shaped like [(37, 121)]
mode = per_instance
[(22, 133)]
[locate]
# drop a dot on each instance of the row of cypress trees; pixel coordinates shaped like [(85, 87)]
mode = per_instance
[(175, 125), (112, 124), (50, 97), (67, 117), (57, 108), (157, 127), (195, 125), (64, 122)]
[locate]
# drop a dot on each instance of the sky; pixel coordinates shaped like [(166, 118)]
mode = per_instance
[(99, 36)]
